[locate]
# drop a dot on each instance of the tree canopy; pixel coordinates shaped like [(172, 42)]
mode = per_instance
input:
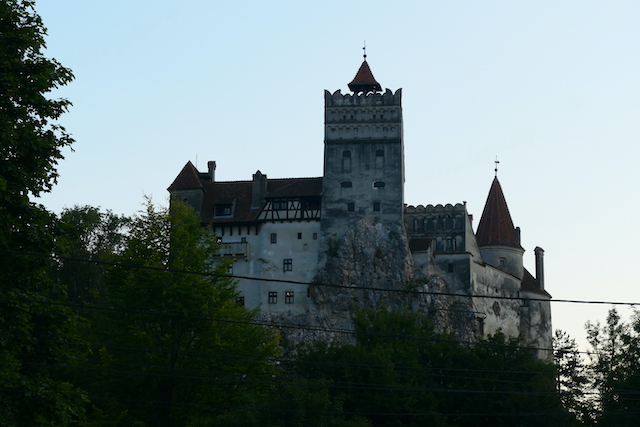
[(37, 335)]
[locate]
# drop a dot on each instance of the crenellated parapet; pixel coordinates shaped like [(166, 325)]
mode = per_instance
[(459, 207), (337, 99), (371, 116)]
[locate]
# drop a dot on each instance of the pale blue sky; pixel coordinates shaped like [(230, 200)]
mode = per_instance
[(550, 87)]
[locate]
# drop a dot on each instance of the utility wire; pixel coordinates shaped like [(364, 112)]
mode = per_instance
[(295, 282)]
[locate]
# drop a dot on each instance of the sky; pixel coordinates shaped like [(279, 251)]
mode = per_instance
[(549, 88)]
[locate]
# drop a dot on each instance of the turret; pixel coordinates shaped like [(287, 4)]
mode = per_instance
[(498, 239)]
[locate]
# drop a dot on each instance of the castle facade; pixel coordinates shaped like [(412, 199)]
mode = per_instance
[(285, 232)]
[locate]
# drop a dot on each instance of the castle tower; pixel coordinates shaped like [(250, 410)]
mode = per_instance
[(498, 239), (363, 156)]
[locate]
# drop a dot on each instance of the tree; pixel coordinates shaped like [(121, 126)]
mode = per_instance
[(615, 367), (573, 382), (175, 348), (37, 336), (399, 372), (86, 236)]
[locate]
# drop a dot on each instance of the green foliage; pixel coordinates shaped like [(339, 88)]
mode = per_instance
[(174, 347), (574, 381), (86, 236), (615, 368), (400, 373), (38, 337)]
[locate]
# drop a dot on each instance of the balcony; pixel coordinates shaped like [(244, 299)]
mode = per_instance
[(233, 249)]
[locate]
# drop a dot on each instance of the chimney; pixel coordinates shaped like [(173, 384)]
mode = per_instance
[(258, 189), (539, 252), (212, 170)]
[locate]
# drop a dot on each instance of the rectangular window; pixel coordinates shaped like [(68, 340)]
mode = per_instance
[(376, 206), (288, 297), (274, 238), (299, 236), (243, 239), (240, 301), (230, 269), (273, 297), (287, 265), (223, 210), (351, 207), (315, 236), (280, 206)]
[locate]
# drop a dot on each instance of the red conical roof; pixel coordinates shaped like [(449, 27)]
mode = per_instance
[(364, 80), (496, 227)]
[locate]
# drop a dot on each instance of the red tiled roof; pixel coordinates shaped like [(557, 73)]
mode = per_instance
[(364, 80), (496, 227), (529, 284), (294, 187), (187, 179), (240, 193)]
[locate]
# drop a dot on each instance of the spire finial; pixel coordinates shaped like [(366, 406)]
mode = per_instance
[(364, 48), (496, 162)]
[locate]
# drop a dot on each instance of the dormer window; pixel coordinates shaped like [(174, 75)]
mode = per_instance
[(223, 209)]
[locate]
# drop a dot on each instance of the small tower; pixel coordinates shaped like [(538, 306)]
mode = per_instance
[(498, 239), (363, 156)]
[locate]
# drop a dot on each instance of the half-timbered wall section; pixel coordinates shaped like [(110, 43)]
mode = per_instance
[(291, 209)]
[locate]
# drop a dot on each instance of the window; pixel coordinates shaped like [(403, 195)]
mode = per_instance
[(240, 301), (243, 240), (230, 269), (299, 236), (351, 207), (502, 262), (274, 238), (223, 210), (315, 236), (376, 206), (288, 297), (480, 326), (346, 184), (280, 205), (346, 153), (308, 291), (379, 184), (287, 265), (273, 297), (450, 267), (379, 153)]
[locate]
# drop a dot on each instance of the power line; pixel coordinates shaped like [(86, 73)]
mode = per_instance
[(313, 284)]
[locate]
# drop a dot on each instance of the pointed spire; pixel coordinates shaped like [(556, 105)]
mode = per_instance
[(496, 227), (364, 80)]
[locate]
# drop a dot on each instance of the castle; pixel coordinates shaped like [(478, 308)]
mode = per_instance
[(302, 230)]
